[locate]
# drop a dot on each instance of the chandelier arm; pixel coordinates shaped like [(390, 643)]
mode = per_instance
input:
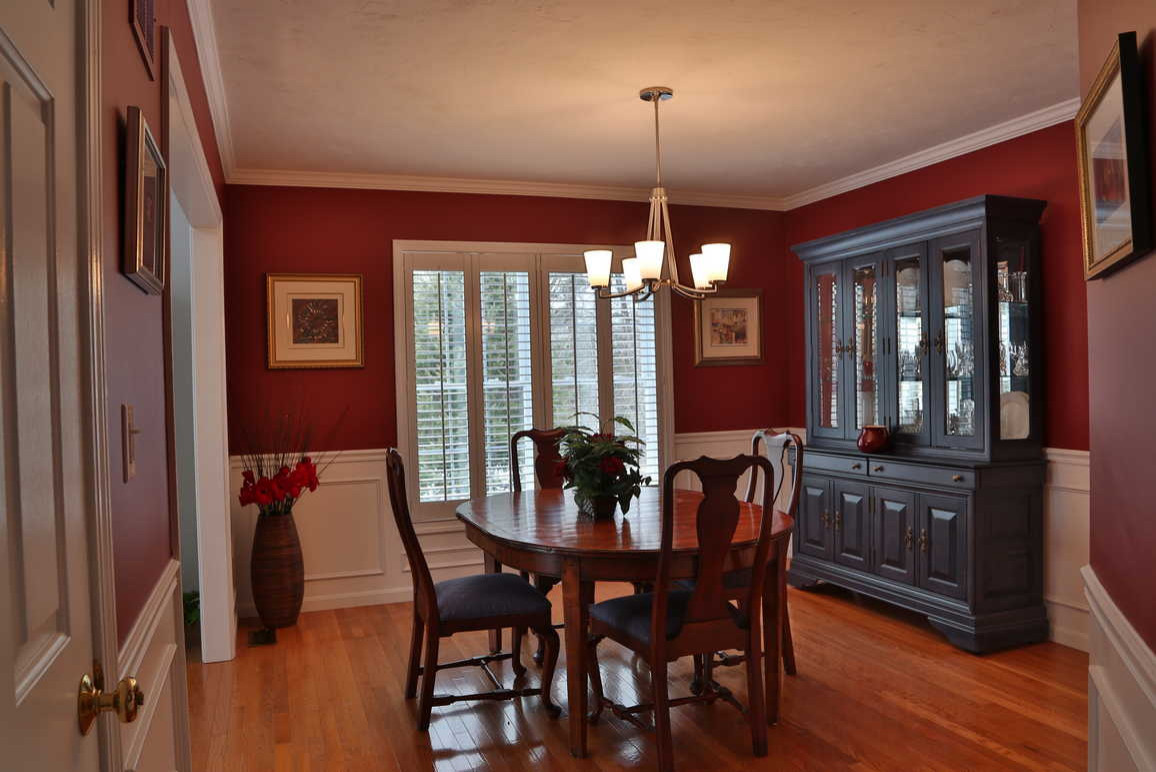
[(693, 294), (605, 294), (673, 261)]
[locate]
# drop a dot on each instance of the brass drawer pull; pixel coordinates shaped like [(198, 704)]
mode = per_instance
[(826, 518), (838, 519), (923, 540), (856, 465), (908, 538), (957, 478), (877, 469)]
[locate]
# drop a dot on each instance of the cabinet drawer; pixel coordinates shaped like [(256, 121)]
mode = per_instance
[(847, 465), (886, 469)]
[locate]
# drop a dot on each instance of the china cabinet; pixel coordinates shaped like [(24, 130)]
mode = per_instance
[(929, 324)]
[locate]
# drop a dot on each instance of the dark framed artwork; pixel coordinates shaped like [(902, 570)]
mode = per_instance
[(1112, 143), (314, 320), (728, 328), (143, 17), (146, 197)]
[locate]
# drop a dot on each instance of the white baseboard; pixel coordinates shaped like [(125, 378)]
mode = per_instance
[(1121, 688)]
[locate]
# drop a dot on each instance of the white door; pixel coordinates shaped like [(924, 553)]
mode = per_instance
[(45, 617)]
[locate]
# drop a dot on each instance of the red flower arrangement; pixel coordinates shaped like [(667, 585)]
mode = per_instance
[(277, 494)]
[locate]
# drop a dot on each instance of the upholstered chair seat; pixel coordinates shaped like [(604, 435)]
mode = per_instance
[(488, 595), (631, 614)]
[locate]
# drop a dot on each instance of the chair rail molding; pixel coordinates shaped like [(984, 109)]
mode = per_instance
[(1121, 688)]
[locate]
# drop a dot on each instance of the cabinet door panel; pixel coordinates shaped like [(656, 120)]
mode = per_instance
[(825, 301), (908, 345), (958, 353), (943, 545), (894, 533), (851, 524), (813, 528), (862, 345)]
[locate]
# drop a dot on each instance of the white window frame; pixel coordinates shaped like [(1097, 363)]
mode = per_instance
[(476, 256)]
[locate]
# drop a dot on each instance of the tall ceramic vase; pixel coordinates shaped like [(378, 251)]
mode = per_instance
[(277, 571)]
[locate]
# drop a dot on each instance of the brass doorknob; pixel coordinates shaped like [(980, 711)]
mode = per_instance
[(91, 701)]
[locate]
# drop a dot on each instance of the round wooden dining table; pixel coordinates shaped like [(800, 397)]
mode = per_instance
[(543, 532)]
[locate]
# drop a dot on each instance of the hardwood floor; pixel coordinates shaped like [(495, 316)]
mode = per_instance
[(877, 689)]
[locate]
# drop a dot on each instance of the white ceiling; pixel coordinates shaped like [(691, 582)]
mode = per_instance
[(772, 97)]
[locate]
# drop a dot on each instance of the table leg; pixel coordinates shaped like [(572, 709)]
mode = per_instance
[(494, 567), (776, 585), (576, 598)]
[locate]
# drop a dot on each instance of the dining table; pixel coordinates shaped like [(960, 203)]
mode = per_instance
[(543, 532)]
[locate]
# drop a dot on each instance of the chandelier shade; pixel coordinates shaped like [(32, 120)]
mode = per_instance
[(643, 272)]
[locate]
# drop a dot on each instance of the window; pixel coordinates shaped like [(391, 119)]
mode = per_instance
[(493, 341)]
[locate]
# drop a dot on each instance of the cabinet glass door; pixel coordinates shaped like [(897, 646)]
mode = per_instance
[(909, 306), (863, 348), (1013, 331), (826, 295), (958, 361)]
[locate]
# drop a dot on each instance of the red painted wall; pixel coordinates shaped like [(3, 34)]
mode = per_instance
[(1122, 341), (134, 348), (1038, 165), (270, 229)]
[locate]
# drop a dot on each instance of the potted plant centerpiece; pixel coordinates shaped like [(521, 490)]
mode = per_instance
[(602, 467)]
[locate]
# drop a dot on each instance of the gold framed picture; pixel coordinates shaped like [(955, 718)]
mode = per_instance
[(314, 320), (146, 198), (1112, 143), (728, 328)]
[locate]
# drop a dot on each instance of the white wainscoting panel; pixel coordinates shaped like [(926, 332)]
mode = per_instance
[(1121, 688), (353, 553), (1067, 514), (354, 556), (158, 741)]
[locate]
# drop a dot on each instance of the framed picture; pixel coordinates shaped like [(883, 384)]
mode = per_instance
[(142, 15), (146, 198), (1112, 140), (314, 320), (728, 328)]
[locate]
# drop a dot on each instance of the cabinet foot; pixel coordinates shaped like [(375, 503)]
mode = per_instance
[(1003, 632)]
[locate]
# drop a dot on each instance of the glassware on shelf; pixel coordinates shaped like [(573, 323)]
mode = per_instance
[(1020, 360)]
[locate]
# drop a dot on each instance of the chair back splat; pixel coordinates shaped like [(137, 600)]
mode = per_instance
[(546, 457), (716, 519), (424, 595), (779, 448)]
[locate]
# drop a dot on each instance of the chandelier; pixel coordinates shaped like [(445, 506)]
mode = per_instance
[(643, 271)]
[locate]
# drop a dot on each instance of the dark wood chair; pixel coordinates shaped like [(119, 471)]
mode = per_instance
[(548, 474), (669, 623), (480, 602), (546, 457), (780, 447)]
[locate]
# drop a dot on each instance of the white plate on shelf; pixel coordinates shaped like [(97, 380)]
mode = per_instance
[(1014, 415)]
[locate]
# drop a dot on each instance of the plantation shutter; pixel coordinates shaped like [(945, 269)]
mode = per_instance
[(497, 342), (507, 385), (635, 370), (442, 413), (574, 370)]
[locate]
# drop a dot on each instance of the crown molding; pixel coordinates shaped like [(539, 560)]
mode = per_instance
[(993, 135), (209, 56), (300, 179)]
